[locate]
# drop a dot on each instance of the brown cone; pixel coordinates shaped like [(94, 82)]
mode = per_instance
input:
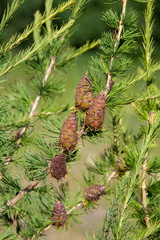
[(69, 132), (96, 112), (84, 93), (94, 192), (59, 215), (120, 163), (58, 167)]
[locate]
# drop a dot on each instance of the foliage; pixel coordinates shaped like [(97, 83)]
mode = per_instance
[(31, 126)]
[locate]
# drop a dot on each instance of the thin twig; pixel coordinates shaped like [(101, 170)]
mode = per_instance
[(61, 110), (35, 103), (144, 193), (136, 108), (82, 131), (42, 232), (109, 82), (112, 175), (79, 205), (13, 201), (147, 98), (30, 187), (144, 172)]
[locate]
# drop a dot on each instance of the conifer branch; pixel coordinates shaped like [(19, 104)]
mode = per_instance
[(42, 231), (30, 29), (24, 55), (146, 98), (130, 191), (30, 187), (136, 108), (144, 193), (31, 215), (148, 139), (13, 201), (147, 38), (8, 13), (155, 67), (84, 48), (35, 103), (77, 206), (148, 49), (118, 37), (82, 131), (112, 175)]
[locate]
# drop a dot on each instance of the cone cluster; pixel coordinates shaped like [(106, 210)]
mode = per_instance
[(59, 215), (96, 112), (84, 93), (94, 192), (58, 168), (69, 132)]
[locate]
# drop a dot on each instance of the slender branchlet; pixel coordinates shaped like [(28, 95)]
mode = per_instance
[(117, 40), (144, 193), (30, 29), (13, 201), (77, 206), (148, 40), (35, 103), (148, 49), (31, 186), (148, 139), (112, 175)]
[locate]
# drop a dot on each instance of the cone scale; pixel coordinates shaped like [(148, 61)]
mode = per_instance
[(94, 192), (96, 112), (69, 132), (84, 93), (58, 168), (59, 215)]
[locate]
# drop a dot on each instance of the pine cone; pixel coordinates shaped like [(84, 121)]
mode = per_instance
[(120, 163), (96, 112), (58, 167), (59, 215), (94, 192), (69, 132), (84, 93)]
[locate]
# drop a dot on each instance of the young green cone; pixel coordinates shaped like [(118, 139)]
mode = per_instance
[(94, 192), (59, 215), (69, 132), (96, 112), (84, 93), (58, 167)]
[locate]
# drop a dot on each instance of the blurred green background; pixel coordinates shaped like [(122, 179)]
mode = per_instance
[(89, 26)]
